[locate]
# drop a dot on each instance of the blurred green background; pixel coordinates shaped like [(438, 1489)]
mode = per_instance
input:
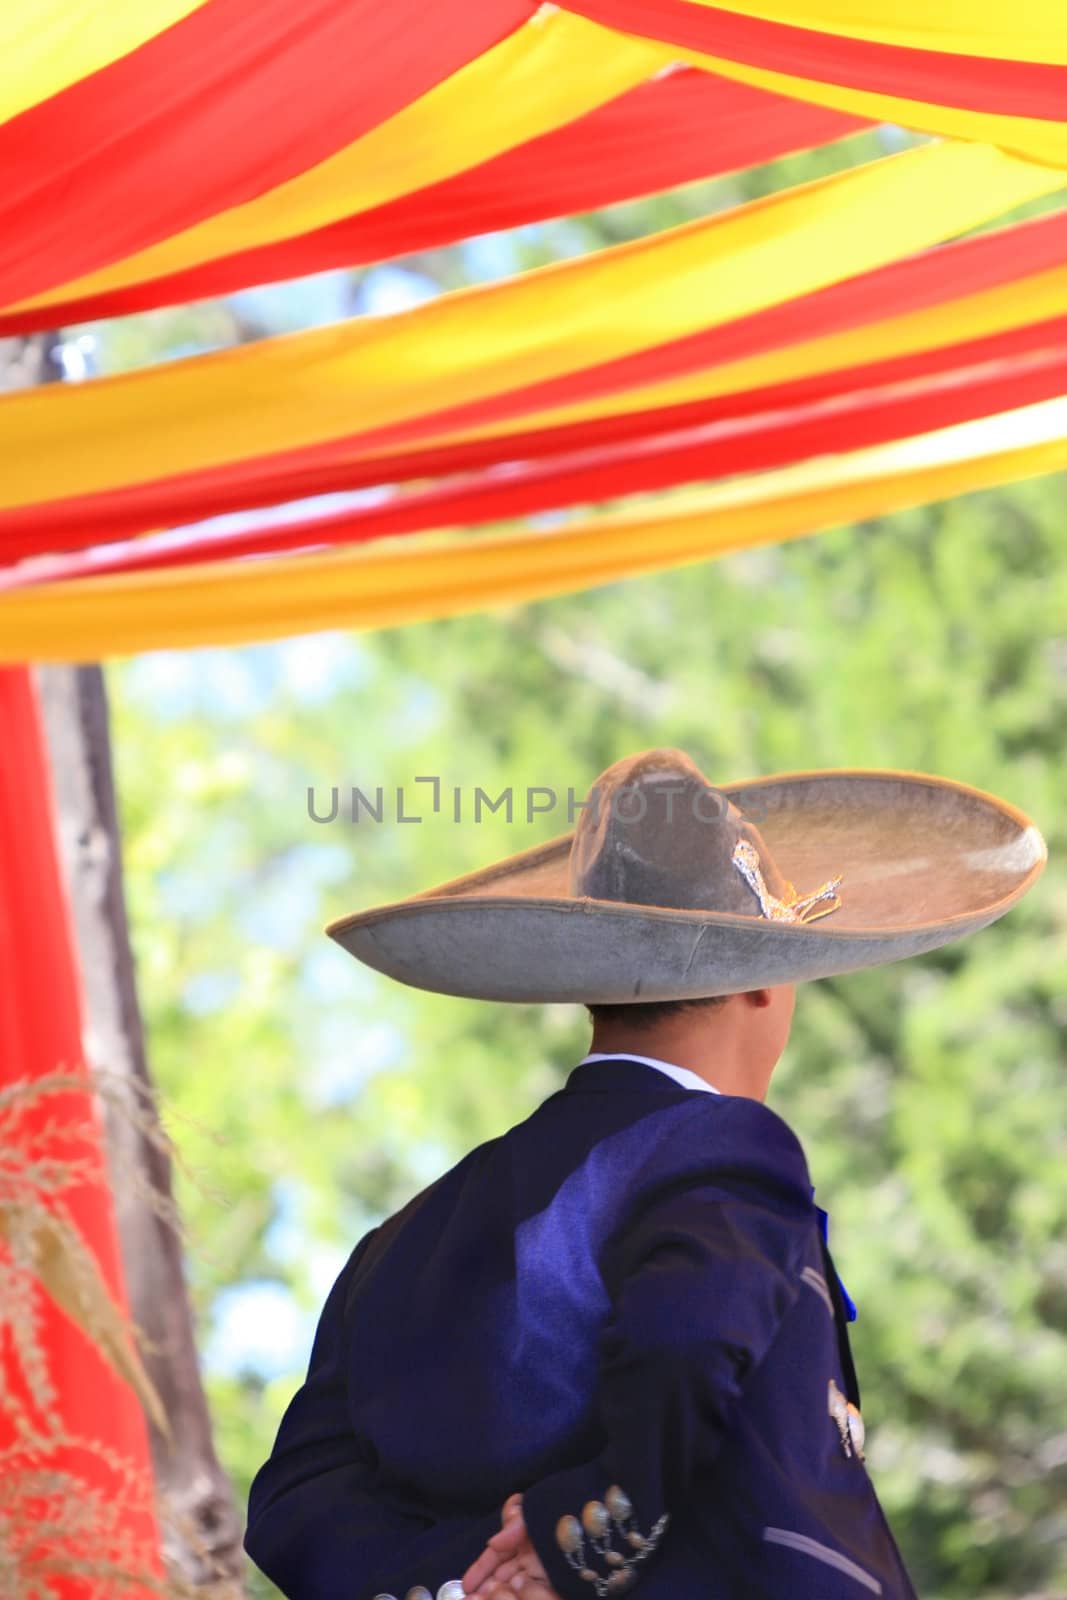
[(309, 1098)]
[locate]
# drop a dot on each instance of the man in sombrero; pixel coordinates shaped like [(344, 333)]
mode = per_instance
[(609, 1350)]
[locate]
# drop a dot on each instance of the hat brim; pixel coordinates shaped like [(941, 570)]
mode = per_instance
[(925, 861)]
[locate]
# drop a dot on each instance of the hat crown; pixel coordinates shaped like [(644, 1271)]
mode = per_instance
[(655, 832)]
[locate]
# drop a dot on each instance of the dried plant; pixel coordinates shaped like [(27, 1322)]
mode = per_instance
[(39, 1162), (70, 1508)]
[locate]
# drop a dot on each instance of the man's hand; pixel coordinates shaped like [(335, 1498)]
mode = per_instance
[(509, 1566)]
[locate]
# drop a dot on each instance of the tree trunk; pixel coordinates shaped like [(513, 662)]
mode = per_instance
[(202, 1530)]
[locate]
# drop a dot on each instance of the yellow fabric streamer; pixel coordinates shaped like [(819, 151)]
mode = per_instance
[(1011, 305), (306, 388), (1030, 137), (1006, 30), (404, 581), (546, 74), (48, 45)]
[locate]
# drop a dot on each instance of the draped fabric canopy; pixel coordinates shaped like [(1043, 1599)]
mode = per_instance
[(835, 350)]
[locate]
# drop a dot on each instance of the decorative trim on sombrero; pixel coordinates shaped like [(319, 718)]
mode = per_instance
[(792, 907)]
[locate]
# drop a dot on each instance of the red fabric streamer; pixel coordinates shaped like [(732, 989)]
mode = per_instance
[(938, 77), (673, 130), (40, 1033), (722, 449), (236, 98)]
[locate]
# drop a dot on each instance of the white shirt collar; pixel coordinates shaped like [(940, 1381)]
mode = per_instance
[(682, 1075)]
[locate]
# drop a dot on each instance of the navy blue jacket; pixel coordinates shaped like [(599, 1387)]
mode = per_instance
[(628, 1291)]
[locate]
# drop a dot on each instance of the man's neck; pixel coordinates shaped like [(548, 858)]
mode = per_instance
[(710, 1052)]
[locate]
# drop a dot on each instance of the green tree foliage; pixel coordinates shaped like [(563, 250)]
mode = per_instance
[(309, 1097)]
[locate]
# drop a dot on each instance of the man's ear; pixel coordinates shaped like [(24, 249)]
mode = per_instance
[(760, 998)]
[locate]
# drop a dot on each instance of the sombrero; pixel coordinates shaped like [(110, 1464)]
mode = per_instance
[(670, 888)]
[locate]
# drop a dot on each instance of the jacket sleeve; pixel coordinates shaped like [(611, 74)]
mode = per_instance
[(317, 1524), (700, 1277)]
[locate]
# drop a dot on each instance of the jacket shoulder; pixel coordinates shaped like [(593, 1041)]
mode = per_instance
[(750, 1125), (729, 1144), (716, 1166)]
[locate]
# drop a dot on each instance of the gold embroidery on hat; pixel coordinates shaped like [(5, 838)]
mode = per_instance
[(790, 907)]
